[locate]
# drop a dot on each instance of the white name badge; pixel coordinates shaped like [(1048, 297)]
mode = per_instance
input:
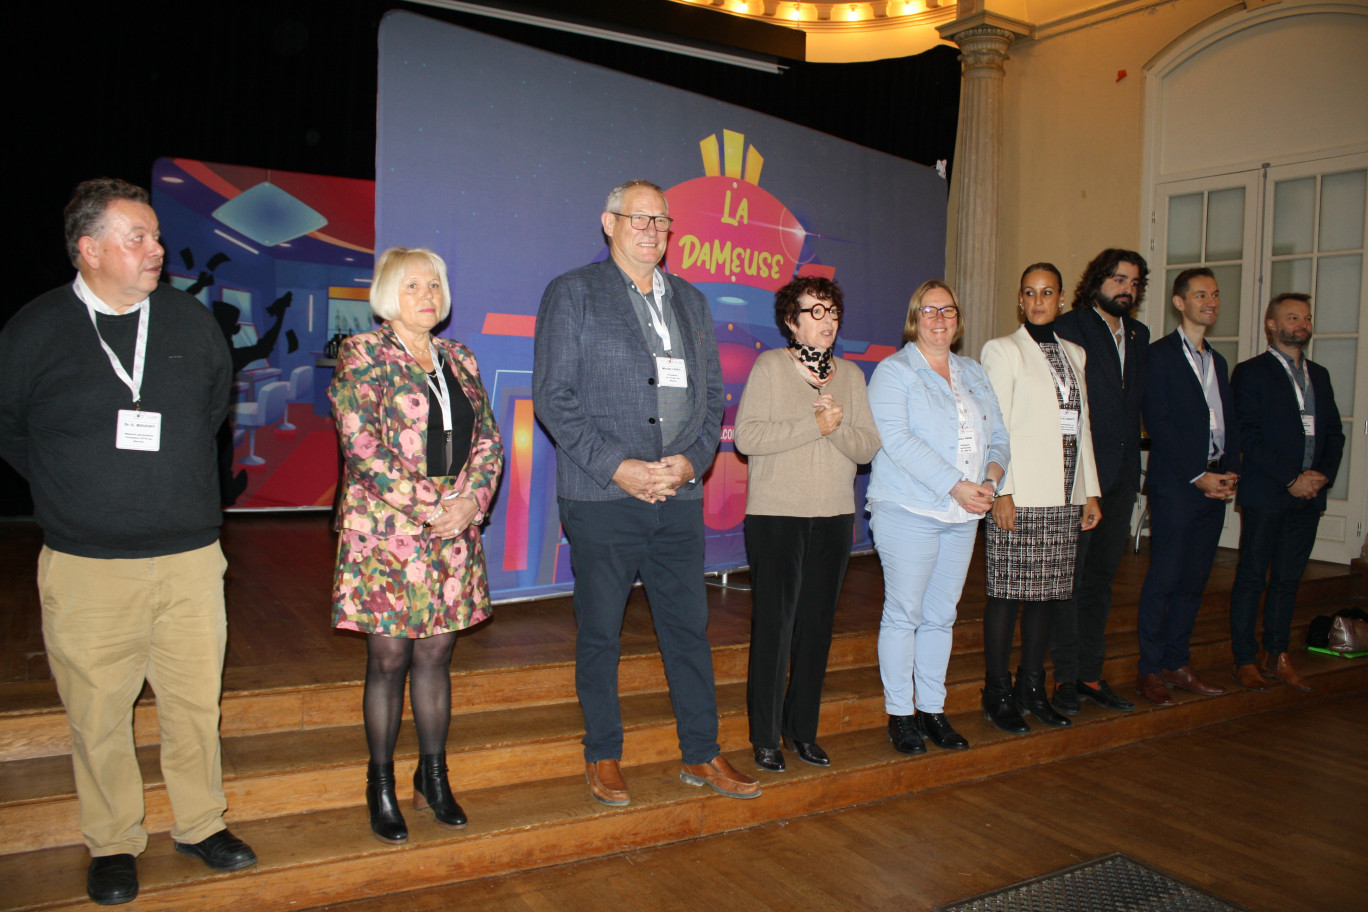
[(138, 431), (968, 440), (1211, 419), (1068, 422), (1309, 425), (672, 372)]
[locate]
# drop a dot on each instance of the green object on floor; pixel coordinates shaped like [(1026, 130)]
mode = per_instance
[(1342, 655)]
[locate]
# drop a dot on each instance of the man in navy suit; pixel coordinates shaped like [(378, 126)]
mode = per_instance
[(1111, 288), (626, 380), (1291, 441), (1194, 450)]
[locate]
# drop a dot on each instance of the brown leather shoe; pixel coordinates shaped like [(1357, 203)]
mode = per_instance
[(1248, 677), (1278, 665), (1186, 679), (1153, 690), (606, 783), (719, 774)]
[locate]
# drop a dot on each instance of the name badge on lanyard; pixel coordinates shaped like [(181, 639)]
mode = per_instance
[(1068, 422), (1308, 421), (135, 429), (138, 431), (968, 441), (1068, 418), (672, 372)]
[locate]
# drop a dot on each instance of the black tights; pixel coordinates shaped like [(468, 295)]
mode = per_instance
[(999, 623), (388, 661)]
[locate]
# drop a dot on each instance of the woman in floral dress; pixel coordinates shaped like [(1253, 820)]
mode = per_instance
[(422, 460)]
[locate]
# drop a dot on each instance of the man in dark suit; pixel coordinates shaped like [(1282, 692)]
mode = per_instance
[(1194, 450), (1291, 442), (626, 380), (1112, 286)]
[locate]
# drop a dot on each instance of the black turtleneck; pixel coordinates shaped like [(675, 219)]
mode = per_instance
[(1043, 332)]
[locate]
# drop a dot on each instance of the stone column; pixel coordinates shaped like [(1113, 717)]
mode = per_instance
[(983, 39)]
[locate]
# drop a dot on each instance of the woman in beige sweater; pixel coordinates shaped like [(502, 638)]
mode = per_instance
[(805, 425)]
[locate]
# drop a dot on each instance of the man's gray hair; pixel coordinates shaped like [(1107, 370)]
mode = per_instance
[(614, 201), (85, 214)]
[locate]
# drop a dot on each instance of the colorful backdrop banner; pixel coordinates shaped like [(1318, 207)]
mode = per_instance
[(499, 157)]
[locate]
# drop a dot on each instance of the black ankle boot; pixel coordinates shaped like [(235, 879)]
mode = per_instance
[(1031, 699), (431, 789), (385, 820), (999, 707)]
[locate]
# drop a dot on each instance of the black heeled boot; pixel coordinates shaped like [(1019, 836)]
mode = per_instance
[(999, 707), (1031, 699), (432, 790), (385, 820)]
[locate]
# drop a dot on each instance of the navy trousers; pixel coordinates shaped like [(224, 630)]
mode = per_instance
[(611, 542), (1184, 531), (1275, 545)]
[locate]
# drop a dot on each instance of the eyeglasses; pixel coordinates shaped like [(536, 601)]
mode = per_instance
[(639, 222), (819, 311), (949, 311)]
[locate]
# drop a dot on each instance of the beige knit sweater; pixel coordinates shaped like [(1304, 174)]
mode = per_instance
[(794, 470)]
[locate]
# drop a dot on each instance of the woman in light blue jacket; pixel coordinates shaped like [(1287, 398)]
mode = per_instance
[(944, 453)]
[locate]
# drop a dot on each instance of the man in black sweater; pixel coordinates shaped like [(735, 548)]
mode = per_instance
[(1112, 286), (111, 390)]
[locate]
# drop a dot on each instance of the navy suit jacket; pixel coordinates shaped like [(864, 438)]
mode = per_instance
[(1175, 412), (594, 381), (1113, 397), (1271, 435)]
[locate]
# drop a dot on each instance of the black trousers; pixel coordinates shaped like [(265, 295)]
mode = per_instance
[(797, 567), (1078, 631)]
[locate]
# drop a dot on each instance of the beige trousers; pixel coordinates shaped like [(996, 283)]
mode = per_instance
[(108, 626)]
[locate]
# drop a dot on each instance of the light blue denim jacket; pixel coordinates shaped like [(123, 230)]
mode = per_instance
[(918, 422)]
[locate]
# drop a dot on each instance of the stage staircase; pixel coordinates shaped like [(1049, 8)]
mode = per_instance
[(294, 761)]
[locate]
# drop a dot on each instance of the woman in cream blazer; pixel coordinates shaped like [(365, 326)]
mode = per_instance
[(1047, 495)]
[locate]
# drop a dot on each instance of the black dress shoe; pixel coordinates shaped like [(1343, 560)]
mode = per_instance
[(1066, 699), (223, 851), (770, 758), (999, 707), (809, 752), (902, 731), (112, 879), (1105, 697), (1031, 699), (938, 730)]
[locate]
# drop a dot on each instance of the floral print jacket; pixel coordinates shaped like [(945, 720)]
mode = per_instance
[(380, 403)]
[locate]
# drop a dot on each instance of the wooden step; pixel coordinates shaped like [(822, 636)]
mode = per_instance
[(328, 855), (290, 772)]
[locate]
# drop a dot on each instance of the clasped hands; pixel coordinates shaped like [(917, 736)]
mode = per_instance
[(652, 482), (1217, 486), (1308, 484), (828, 414), (454, 516)]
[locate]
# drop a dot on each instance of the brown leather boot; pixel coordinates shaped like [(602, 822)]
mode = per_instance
[(1248, 677), (1278, 665)]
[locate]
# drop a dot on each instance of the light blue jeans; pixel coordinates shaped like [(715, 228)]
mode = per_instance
[(924, 562)]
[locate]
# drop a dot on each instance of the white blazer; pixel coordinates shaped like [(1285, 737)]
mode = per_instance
[(1025, 390)]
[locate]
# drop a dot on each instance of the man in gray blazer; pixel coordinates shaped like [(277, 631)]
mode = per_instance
[(627, 382)]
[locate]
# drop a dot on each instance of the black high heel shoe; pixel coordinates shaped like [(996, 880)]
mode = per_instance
[(432, 790), (386, 823)]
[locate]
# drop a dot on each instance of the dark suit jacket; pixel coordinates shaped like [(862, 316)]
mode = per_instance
[(594, 381), (1271, 434), (1113, 399), (1175, 412)]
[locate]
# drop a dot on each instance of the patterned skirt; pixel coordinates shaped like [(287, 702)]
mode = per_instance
[(409, 585), (1035, 562)]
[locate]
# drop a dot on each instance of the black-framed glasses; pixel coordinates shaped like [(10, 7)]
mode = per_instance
[(949, 311), (819, 311), (639, 222)]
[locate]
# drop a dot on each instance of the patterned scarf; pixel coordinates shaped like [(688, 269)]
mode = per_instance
[(816, 365)]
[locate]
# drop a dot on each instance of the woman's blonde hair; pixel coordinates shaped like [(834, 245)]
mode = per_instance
[(389, 272)]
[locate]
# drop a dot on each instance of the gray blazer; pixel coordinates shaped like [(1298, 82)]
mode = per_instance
[(594, 381)]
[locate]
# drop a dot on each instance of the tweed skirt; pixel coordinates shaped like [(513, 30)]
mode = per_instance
[(1035, 561)]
